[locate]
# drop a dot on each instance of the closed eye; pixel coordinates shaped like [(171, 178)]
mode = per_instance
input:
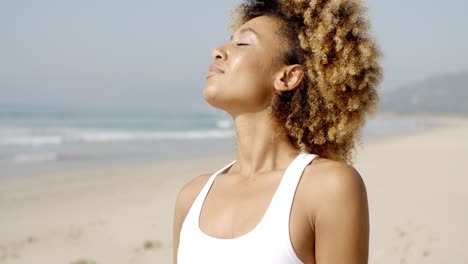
[(242, 44)]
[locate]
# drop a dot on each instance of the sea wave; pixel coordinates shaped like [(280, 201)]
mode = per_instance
[(34, 138), (35, 157), (224, 123)]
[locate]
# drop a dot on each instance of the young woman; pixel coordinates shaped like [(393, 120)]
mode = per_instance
[(298, 78)]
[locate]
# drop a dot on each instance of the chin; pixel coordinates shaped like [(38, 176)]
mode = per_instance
[(209, 93), (214, 101), (215, 98)]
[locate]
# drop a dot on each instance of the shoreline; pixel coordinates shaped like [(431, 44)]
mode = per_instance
[(11, 170)]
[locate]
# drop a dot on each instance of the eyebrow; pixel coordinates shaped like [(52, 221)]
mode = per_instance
[(247, 29)]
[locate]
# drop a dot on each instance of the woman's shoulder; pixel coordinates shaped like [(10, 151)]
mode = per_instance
[(330, 173), (185, 199), (333, 195), (326, 181), (190, 190)]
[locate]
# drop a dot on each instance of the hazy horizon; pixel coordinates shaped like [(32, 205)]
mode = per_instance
[(145, 55)]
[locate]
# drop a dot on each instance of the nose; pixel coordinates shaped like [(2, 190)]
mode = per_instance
[(219, 53)]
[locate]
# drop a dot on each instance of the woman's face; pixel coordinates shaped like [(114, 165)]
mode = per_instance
[(241, 79)]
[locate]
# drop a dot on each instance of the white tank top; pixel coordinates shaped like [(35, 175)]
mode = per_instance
[(269, 242)]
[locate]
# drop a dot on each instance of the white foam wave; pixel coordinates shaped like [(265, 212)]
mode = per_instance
[(32, 158), (96, 136), (224, 123), (124, 136), (31, 140)]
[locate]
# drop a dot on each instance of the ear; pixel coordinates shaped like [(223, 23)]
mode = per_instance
[(289, 78)]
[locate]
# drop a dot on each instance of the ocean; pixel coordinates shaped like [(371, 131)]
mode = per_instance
[(38, 139)]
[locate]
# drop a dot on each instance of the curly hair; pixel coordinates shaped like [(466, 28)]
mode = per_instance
[(330, 39)]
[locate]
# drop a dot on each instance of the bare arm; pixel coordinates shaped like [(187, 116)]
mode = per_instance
[(184, 201), (342, 219)]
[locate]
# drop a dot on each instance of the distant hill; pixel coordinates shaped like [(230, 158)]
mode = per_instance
[(446, 94)]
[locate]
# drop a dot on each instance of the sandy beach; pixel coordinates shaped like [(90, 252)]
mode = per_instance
[(416, 186)]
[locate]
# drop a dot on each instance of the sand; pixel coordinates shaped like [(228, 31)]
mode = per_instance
[(416, 185)]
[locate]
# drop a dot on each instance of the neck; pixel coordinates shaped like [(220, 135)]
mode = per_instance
[(259, 147)]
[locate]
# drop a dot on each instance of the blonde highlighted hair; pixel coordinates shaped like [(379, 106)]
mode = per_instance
[(331, 40)]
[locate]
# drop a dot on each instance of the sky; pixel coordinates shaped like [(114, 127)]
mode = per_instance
[(115, 54)]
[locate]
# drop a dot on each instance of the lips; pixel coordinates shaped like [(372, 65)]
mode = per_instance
[(214, 70)]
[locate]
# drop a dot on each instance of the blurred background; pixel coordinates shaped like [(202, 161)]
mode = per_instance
[(98, 84), (93, 82)]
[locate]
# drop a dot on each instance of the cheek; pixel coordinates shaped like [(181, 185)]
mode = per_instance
[(251, 86), (251, 78)]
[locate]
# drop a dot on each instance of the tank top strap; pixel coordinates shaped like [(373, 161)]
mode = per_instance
[(283, 199), (195, 210)]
